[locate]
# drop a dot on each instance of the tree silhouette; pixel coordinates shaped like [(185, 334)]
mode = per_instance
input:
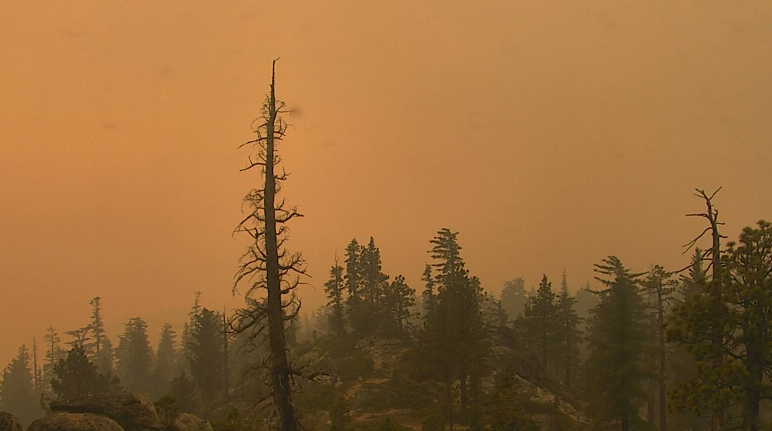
[(267, 266)]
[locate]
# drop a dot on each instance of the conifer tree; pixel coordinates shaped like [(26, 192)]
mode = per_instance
[(513, 297), (617, 340), (742, 377), (105, 360), (267, 266), (334, 288), (184, 392), (699, 324), (429, 294), (52, 354), (183, 360), (97, 326), (226, 341), (37, 375), (372, 315), (455, 335), (135, 357), (586, 301), (77, 377), (541, 317), (165, 359), (81, 339), (16, 388), (493, 312), (569, 333), (660, 287), (353, 281), (206, 362), (682, 364), (373, 279), (398, 299)]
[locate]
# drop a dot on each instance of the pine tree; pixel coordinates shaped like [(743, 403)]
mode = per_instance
[(184, 392), (699, 324), (334, 289), (77, 377), (429, 294), (455, 337), (682, 364), (617, 340), (226, 371), (135, 357), (742, 377), (206, 362), (105, 360), (183, 360), (541, 317), (661, 288), (52, 355), (373, 279), (37, 374), (398, 299), (370, 316), (97, 326), (493, 312), (586, 301), (81, 339), (16, 388), (569, 333), (165, 359), (513, 297)]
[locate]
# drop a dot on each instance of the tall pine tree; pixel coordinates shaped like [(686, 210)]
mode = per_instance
[(334, 289), (618, 337), (569, 335), (135, 357)]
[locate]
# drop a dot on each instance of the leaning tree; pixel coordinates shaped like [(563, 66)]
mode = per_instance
[(267, 270)]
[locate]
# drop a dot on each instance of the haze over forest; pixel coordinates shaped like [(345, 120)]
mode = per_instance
[(549, 137)]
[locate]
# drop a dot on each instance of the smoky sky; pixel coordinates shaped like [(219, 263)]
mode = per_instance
[(549, 135)]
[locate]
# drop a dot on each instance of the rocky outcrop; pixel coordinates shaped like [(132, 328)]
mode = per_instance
[(189, 422), (74, 422), (9, 422), (132, 411)]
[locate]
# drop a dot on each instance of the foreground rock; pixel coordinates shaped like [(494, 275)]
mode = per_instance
[(133, 412), (189, 422), (74, 422), (9, 422)]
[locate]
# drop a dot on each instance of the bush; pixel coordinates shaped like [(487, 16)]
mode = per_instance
[(356, 366), (339, 414), (433, 422)]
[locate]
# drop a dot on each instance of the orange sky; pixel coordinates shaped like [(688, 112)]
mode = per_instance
[(549, 135)]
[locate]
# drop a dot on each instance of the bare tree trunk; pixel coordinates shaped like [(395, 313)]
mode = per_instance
[(625, 422), (226, 368), (279, 363), (711, 214)]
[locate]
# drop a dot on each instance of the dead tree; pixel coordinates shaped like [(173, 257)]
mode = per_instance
[(713, 256), (268, 271), (226, 369)]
